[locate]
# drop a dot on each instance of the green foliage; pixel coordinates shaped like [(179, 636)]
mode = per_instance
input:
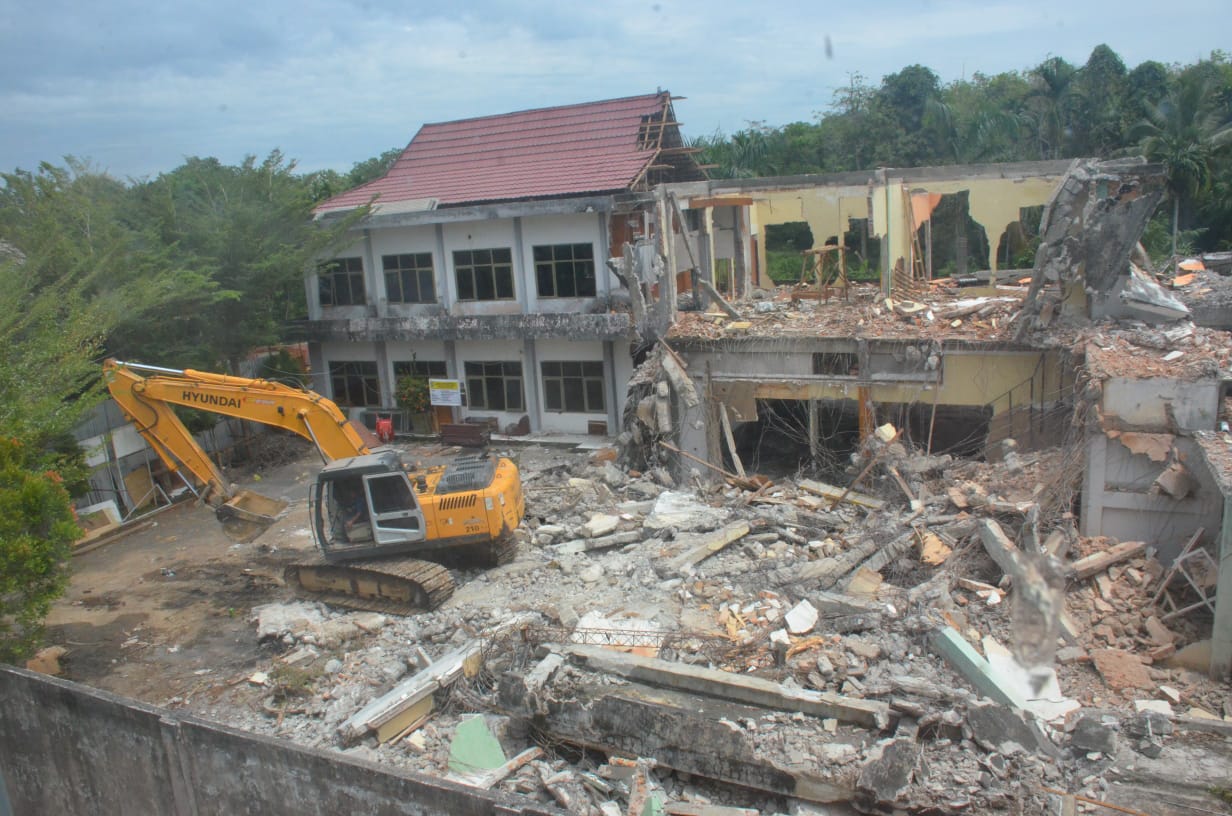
[(37, 530), (783, 265), (412, 394), (283, 366)]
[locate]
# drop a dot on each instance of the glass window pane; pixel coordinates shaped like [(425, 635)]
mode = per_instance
[(494, 394), (513, 394), (485, 287), (575, 400), (466, 285), (543, 274), (594, 396), (565, 285), (513, 369), (552, 395), (502, 256), (592, 369), (504, 283)]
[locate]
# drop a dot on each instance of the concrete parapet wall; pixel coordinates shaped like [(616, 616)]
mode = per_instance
[(65, 748), (605, 326)]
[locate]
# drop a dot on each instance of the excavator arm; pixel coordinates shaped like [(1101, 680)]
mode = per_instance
[(147, 395)]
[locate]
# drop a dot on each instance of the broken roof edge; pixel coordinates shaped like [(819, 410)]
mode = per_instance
[(565, 204), (690, 342)]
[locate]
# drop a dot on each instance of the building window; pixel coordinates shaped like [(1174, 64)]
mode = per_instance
[(341, 282), (355, 383), (494, 386), (424, 369), (484, 274), (573, 387), (409, 278), (565, 270)]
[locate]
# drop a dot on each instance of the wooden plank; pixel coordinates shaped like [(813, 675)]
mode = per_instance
[(730, 439), (720, 201), (712, 544), (1092, 564), (828, 491), (486, 779)]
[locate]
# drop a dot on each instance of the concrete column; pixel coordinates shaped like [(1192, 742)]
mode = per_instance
[(373, 285), (813, 429), (614, 404), (445, 284), (602, 253), (530, 383), (317, 372), (453, 371), (1221, 632), (1093, 480), (385, 373), (521, 280)]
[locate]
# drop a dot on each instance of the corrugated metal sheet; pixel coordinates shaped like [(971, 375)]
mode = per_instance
[(574, 149)]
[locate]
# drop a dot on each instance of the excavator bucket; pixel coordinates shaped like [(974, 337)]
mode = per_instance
[(247, 514)]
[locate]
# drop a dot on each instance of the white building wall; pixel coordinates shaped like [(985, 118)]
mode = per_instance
[(491, 351), (582, 228), (570, 351), (498, 234), (406, 240), (312, 287)]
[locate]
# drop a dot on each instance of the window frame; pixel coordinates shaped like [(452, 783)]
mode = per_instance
[(485, 378), (556, 263), (355, 375), (423, 369), (587, 375), (349, 270), (484, 271), (403, 268)]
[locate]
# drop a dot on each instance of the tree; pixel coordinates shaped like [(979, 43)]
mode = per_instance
[(1184, 132), (1053, 95), (1100, 109), (37, 530), (247, 233)]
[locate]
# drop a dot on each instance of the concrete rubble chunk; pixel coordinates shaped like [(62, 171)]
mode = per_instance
[(1121, 669), (700, 548), (600, 524), (887, 773), (801, 618), (680, 511), (997, 728), (1092, 733)]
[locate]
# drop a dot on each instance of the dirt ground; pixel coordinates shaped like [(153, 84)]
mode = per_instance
[(164, 609)]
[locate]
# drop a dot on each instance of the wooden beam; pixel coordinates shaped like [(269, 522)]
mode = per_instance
[(719, 201), (731, 441), (1100, 561)]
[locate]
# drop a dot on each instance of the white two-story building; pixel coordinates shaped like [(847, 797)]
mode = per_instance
[(483, 260)]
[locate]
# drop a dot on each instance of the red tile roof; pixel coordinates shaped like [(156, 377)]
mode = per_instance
[(573, 149)]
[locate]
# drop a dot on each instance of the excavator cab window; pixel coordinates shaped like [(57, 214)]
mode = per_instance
[(396, 515)]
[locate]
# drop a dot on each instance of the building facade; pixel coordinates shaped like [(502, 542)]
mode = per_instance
[(483, 260)]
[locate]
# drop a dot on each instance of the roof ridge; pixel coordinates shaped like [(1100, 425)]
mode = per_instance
[(594, 103)]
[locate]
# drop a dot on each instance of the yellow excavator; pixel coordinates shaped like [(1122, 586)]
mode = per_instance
[(370, 515)]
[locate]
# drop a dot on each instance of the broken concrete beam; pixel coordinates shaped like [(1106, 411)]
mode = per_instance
[(678, 377), (1003, 551), (828, 491), (735, 687), (826, 572), (963, 657), (1093, 564), (695, 735), (706, 547), (581, 545), (719, 300), (410, 700)]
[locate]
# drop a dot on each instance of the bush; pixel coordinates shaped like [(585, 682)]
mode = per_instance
[(37, 530), (413, 395)]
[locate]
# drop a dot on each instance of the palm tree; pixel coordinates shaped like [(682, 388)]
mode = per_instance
[(1054, 91), (1183, 133)]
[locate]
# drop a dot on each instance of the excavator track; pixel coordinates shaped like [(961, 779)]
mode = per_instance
[(397, 586)]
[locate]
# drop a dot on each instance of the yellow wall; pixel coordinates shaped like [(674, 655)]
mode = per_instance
[(972, 379), (994, 203)]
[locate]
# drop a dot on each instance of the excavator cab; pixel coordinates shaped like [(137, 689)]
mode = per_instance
[(365, 507)]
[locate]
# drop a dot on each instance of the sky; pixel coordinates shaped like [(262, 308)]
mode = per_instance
[(136, 87)]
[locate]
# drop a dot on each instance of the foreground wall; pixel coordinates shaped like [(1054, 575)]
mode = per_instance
[(65, 748)]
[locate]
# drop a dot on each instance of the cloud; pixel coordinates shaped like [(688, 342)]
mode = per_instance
[(139, 86)]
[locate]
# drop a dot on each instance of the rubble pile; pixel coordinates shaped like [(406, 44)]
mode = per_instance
[(771, 647)]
